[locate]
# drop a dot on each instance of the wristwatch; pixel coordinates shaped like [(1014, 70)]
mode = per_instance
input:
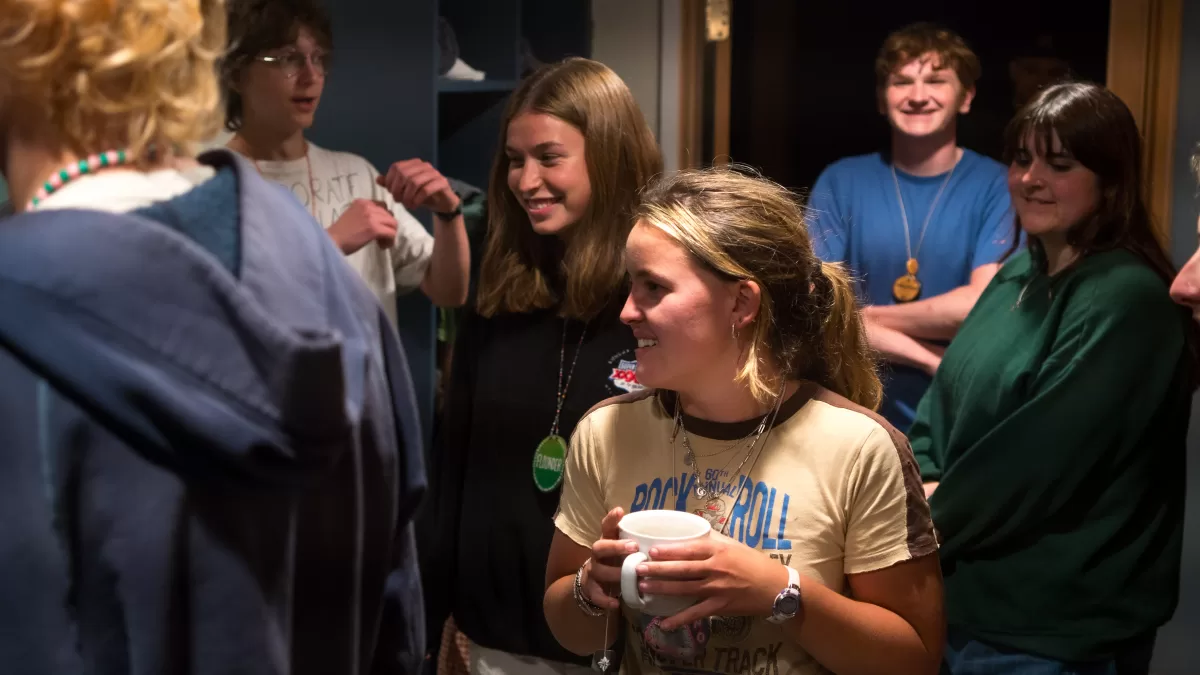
[(787, 603)]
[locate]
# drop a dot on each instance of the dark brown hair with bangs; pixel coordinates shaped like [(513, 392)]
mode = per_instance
[(257, 26), (1097, 129), (1094, 127)]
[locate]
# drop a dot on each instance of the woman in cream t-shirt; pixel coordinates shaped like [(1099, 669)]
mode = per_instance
[(760, 423)]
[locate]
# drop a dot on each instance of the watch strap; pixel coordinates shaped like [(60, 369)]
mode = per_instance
[(792, 590), (450, 215)]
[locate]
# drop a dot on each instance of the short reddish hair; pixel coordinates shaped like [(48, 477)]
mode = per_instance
[(916, 40)]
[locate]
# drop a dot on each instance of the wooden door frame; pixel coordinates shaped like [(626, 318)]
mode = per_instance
[(691, 83), (693, 41), (1144, 46), (722, 81)]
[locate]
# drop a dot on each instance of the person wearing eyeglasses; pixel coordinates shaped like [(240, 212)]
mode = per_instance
[(274, 74)]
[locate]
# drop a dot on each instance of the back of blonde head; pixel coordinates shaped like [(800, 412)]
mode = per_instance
[(745, 227), (108, 74), (522, 271)]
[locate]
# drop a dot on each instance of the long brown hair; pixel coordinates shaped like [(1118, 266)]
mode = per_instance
[(1099, 131), (746, 227), (522, 271)]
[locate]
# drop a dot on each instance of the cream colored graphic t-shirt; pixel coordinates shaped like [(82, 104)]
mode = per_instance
[(834, 492), (339, 178)]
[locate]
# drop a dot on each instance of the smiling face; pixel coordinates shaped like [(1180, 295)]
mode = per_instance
[(922, 98), (1051, 190), (683, 315), (547, 171), (283, 93)]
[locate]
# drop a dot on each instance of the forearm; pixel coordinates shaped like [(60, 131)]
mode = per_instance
[(576, 631), (447, 279), (936, 318), (896, 347), (337, 241), (850, 637)]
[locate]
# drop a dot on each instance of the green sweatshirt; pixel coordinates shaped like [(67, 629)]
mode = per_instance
[(1056, 426)]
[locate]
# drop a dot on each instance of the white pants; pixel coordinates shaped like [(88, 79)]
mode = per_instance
[(486, 661)]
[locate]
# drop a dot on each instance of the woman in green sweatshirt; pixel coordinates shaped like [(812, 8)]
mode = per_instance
[(1052, 438)]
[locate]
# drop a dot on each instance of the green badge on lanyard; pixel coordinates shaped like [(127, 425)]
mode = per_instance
[(548, 462), (550, 458)]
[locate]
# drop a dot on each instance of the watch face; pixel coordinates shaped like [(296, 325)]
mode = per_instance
[(787, 604)]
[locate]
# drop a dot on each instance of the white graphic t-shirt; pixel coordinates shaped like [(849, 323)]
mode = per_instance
[(339, 178), (834, 492)]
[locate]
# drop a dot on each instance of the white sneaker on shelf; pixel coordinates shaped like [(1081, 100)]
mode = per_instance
[(461, 71)]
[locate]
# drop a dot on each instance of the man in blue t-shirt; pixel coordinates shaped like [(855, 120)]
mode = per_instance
[(923, 226)]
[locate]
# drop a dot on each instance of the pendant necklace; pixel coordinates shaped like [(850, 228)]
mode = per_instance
[(689, 455), (714, 506), (730, 627), (604, 658), (549, 459), (908, 288)]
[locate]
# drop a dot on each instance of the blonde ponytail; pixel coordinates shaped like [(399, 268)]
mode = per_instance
[(746, 227), (847, 355)]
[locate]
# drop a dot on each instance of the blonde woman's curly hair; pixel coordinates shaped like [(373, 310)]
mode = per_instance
[(106, 74)]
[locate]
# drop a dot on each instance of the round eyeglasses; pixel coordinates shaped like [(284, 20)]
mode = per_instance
[(292, 63)]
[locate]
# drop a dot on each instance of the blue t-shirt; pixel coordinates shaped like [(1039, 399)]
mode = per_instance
[(854, 217)]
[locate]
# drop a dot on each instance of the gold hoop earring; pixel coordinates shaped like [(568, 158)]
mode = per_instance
[(733, 331)]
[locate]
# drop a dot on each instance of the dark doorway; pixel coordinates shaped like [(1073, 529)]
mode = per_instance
[(803, 84)]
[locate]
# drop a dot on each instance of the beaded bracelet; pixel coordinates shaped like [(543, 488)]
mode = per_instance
[(586, 606)]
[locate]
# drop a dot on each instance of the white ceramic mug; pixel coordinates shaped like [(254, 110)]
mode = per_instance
[(649, 529)]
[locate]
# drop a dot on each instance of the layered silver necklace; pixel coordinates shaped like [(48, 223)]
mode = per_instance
[(699, 489)]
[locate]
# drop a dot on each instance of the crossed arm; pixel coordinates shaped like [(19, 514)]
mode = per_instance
[(902, 333)]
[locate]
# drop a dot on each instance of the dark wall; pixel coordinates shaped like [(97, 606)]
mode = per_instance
[(379, 102), (1178, 651), (803, 73)]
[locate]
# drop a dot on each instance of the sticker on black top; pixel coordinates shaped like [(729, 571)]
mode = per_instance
[(622, 377)]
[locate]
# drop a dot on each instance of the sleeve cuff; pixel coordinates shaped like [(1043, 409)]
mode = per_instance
[(888, 558), (575, 534)]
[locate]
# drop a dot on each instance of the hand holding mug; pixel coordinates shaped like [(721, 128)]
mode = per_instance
[(652, 529), (602, 572), (722, 577)]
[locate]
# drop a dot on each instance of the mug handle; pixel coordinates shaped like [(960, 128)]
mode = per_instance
[(629, 581)]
